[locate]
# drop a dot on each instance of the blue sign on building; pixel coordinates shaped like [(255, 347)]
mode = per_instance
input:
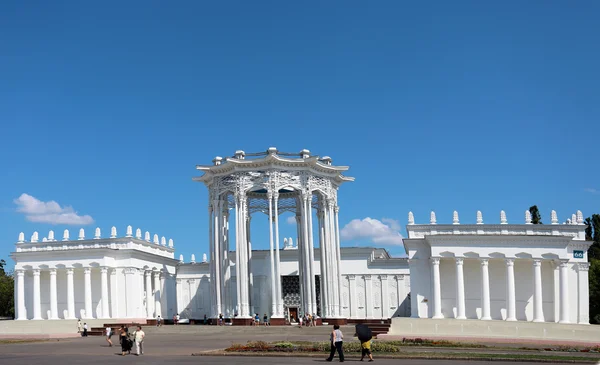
[(578, 254)]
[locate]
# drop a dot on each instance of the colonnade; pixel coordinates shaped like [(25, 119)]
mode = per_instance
[(133, 289), (220, 264), (538, 313)]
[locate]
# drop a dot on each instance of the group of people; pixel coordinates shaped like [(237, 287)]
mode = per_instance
[(127, 339), (307, 320), (82, 328), (256, 321), (336, 338)]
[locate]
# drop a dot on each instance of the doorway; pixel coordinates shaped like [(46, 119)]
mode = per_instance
[(293, 314)]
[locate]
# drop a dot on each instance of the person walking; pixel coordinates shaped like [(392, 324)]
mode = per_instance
[(366, 350), (337, 341), (108, 336), (85, 329), (158, 321), (79, 327), (124, 340), (139, 341)]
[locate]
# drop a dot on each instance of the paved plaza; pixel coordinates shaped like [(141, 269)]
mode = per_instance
[(177, 344)]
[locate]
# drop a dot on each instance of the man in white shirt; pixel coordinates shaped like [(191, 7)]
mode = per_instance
[(139, 341)]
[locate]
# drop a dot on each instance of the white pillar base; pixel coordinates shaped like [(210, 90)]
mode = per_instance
[(486, 319), (436, 317)]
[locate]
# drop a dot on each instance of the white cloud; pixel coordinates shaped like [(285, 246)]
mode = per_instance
[(591, 191), (291, 220), (385, 231), (51, 212)]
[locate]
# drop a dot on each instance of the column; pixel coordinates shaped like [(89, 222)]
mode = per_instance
[(53, 295), (323, 281), (352, 290), (414, 297), (538, 312), (164, 304), (70, 294), (510, 291), (277, 260), (157, 294), (306, 254), (37, 309), (104, 292), (583, 293), (149, 297), (385, 306), (131, 286), (336, 233), (21, 309), (401, 294), (369, 296), (564, 292), (217, 251), (460, 289), (437, 290), (211, 260), (87, 279), (114, 302), (313, 283), (272, 257), (485, 290), (237, 256)]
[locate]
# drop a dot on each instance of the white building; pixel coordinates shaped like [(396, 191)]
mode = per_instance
[(509, 272), (137, 278), (483, 272)]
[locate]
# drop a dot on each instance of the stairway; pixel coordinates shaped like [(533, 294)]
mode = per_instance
[(101, 331), (377, 326)]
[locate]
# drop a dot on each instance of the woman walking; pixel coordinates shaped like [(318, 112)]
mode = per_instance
[(337, 341), (124, 341)]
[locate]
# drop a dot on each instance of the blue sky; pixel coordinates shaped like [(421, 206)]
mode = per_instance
[(106, 108)]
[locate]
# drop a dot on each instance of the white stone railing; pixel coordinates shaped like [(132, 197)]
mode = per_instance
[(50, 243), (573, 227)]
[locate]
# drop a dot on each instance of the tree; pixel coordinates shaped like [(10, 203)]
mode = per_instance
[(594, 285), (593, 229), (7, 292), (588, 229), (536, 218)]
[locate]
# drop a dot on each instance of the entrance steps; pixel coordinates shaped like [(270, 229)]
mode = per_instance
[(377, 326)]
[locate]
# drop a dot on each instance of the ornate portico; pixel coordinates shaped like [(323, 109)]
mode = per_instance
[(98, 277), (272, 182), (510, 272)]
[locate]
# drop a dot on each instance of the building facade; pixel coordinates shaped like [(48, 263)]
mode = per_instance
[(132, 277), (502, 272)]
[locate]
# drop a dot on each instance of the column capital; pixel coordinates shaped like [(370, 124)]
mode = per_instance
[(563, 263), (104, 270), (484, 261), (459, 261), (130, 270), (113, 271), (367, 277), (53, 272), (510, 262), (36, 272), (434, 260), (537, 262), (399, 277), (337, 209), (383, 277), (69, 271), (20, 272), (351, 277), (583, 266), (87, 270), (156, 274)]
